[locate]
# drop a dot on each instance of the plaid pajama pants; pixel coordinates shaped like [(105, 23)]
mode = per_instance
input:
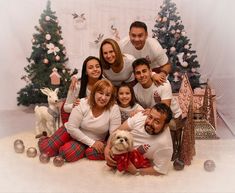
[(64, 115), (61, 143)]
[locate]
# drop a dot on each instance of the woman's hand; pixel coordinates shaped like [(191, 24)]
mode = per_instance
[(73, 83), (131, 168), (109, 157), (99, 146)]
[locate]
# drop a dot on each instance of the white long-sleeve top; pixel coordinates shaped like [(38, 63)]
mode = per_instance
[(86, 128), (72, 96)]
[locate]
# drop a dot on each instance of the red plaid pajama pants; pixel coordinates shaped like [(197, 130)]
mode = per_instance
[(61, 143), (64, 115)]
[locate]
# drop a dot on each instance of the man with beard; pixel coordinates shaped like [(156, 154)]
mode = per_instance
[(151, 130)]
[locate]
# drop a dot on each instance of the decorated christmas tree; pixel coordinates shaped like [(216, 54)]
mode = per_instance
[(47, 63), (170, 33)]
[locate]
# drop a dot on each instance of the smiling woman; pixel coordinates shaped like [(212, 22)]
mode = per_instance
[(88, 125)]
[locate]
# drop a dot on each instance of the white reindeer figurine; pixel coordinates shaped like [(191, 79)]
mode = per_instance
[(47, 117)]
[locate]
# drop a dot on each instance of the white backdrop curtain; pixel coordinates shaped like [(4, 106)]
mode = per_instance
[(208, 23)]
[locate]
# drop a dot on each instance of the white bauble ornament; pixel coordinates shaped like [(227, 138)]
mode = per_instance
[(33, 40), (47, 18), (57, 58), (177, 31), (48, 36), (183, 33), (61, 42), (186, 46), (63, 70), (176, 77), (45, 61), (184, 64), (172, 49), (173, 31), (164, 19), (193, 70)]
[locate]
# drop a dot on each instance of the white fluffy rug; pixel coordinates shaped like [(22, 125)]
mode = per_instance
[(18, 173)]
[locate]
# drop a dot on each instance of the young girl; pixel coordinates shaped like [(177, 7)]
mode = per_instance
[(91, 73), (127, 102), (88, 125)]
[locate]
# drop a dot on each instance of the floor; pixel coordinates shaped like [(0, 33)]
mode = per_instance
[(22, 174)]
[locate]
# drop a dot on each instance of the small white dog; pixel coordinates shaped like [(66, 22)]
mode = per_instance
[(123, 153), (121, 144)]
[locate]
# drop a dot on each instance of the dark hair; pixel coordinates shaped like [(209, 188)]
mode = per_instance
[(84, 76), (164, 109), (140, 61), (133, 99), (139, 24), (117, 51)]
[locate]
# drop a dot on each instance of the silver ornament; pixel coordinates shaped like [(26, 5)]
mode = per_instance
[(18, 141), (209, 165), (44, 158), (19, 147), (31, 152), (58, 161)]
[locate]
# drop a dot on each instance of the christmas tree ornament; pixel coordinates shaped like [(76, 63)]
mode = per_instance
[(44, 158), (184, 64), (186, 46), (172, 49), (193, 70), (31, 152), (164, 19), (47, 18), (209, 165), (18, 141), (178, 164), (58, 161), (33, 40), (19, 147), (45, 61), (48, 36), (55, 77), (57, 58), (173, 31), (52, 49), (61, 42)]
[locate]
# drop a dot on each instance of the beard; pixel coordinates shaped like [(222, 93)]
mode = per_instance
[(151, 131)]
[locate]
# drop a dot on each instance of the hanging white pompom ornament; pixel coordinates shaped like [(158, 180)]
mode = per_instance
[(33, 40), (184, 64), (193, 70), (48, 36), (57, 58), (47, 18), (63, 70), (45, 61)]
